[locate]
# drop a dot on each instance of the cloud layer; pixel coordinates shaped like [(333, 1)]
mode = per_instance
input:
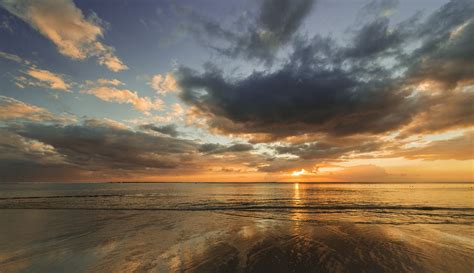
[(163, 83), (64, 24), (35, 143), (388, 99), (259, 38), (44, 78), (372, 85), (106, 90), (15, 110)]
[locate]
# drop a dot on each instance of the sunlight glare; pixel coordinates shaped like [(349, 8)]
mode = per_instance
[(298, 173)]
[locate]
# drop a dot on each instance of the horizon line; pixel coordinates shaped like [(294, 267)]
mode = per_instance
[(243, 182)]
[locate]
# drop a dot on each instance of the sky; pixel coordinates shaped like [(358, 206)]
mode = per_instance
[(208, 90)]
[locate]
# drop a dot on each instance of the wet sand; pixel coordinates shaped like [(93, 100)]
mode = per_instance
[(211, 241)]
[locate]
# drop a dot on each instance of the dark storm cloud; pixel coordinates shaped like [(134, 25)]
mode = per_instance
[(446, 54), (376, 37), (30, 170), (379, 8), (275, 25), (101, 149), (293, 101), (326, 150), (169, 129), (17, 148), (444, 111), (94, 145), (442, 21), (214, 148), (348, 89), (23, 159)]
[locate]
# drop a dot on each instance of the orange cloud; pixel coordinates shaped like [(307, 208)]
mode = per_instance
[(175, 114), (459, 148), (111, 94), (12, 109), (49, 78), (113, 82), (64, 24), (164, 84)]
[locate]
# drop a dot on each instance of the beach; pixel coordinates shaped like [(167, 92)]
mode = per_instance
[(77, 229)]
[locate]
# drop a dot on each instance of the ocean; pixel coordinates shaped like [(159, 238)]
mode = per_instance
[(236, 227)]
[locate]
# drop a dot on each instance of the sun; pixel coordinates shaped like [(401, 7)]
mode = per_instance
[(298, 173)]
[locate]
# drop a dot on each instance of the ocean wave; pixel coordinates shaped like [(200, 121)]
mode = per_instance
[(196, 207)]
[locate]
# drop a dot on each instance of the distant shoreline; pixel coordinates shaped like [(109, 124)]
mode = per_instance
[(211, 182), (214, 182)]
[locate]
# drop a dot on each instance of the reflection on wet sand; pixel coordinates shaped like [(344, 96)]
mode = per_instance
[(151, 241)]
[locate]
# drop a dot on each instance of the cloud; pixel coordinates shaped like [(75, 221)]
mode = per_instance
[(291, 102), (444, 111), (14, 110), (380, 8), (176, 110), (440, 59), (45, 78), (175, 113), (34, 76), (455, 33), (64, 24), (13, 57), (112, 94), (458, 148), (377, 37), (113, 82), (6, 24), (360, 173), (360, 87), (325, 149), (262, 37), (290, 170), (106, 57), (169, 129), (104, 123), (284, 165), (17, 148), (36, 145), (163, 84), (214, 148), (326, 104), (105, 150), (96, 144)]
